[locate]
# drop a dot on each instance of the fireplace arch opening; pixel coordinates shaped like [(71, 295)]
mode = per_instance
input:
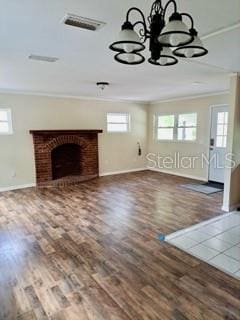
[(66, 161)]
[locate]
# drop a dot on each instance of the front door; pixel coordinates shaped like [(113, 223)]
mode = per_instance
[(218, 143)]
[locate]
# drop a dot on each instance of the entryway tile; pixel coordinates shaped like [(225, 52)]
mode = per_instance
[(226, 263), (210, 230), (197, 236), (238, 274), (235, 217), (203, 252), (234, 253), (183, 242), (224, 225), (217, 244), (229, 236)]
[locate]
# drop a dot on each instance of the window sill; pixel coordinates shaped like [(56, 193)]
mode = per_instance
[(177, 141), (128, 131), (6, 134)]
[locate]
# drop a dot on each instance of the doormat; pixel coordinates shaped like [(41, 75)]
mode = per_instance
[(202, 188)]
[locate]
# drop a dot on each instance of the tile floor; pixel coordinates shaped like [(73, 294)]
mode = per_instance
[(216, 241)]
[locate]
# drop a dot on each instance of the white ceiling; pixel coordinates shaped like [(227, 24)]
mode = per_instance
[(34, 27)]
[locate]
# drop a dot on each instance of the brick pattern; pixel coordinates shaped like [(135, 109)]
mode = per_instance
[(45, 143)]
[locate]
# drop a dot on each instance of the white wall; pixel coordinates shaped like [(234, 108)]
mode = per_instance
[(202, 107), (117, 152)]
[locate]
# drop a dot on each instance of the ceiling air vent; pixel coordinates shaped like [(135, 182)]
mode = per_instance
[(42, 58), (82, 23)]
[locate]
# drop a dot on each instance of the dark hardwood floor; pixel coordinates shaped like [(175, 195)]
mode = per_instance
[(90, 252)]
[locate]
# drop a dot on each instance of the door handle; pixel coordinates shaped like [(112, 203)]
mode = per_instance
[(212, 142)]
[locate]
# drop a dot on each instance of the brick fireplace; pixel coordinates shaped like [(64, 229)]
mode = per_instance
[(65, 156)]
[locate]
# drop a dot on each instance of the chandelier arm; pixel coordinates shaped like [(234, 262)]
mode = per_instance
[(144, 33), (167, 5), (139, 11), (144, 36), (190, 17)]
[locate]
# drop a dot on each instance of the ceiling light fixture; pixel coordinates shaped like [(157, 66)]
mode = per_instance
[(102, 85), (163, 37)]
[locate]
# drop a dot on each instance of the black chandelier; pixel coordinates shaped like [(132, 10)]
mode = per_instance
[(167, 41)]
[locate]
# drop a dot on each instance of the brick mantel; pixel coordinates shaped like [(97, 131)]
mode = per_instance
[(54, 132), (45, 141)]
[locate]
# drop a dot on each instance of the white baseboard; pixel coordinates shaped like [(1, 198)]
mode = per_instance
[(177, 174), (104, 174), (226, 208), (30, 185), (23, 186)]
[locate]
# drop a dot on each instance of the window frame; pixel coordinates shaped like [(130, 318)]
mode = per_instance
[(8, 121), (128, 123), (176, 127)]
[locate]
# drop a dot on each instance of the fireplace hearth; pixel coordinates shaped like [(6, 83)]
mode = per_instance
[(64, 157)]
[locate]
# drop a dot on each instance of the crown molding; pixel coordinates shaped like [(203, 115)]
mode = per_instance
[(63, 96), (219, 93), (99, 99), (219, 31)]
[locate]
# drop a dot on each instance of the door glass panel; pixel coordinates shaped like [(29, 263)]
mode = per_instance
[(225, 130), (221, 117), (219, 142), (226, 117), (225, 141), (222, 130)]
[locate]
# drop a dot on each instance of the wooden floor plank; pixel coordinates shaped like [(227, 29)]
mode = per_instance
[(90, 252)]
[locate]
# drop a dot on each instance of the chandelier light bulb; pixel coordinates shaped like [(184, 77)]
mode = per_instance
[(128, 47), (130, 57), (163, 61), (189, 52), (175, 39)]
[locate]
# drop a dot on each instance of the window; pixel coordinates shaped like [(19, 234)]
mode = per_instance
[(5, 121), (222, 130), (180, 127), (118, 122), (165, 127), (187, 127)]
